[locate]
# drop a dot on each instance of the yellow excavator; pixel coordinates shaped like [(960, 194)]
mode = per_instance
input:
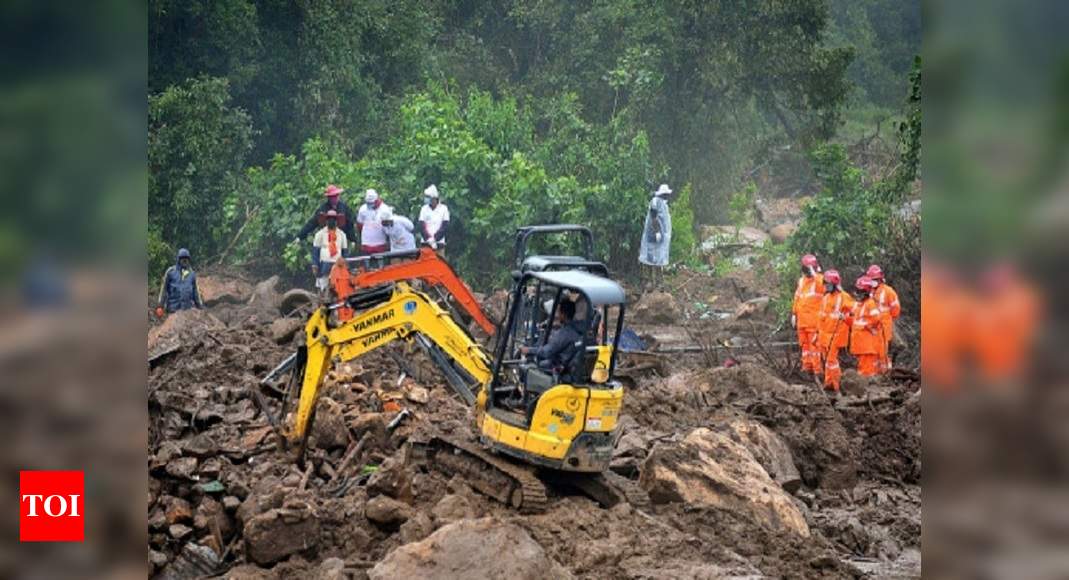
[(538, 421)]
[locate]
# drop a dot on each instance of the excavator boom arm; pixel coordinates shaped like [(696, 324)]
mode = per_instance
[(406, 314), (431, 269)]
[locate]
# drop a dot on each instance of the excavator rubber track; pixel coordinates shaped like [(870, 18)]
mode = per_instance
[(608, 488), (509, 483), (634, 493)]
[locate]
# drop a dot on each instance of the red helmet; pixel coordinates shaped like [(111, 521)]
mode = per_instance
[(809, 260), (332, 190), (832, 277), (874, 272), (865, 283)]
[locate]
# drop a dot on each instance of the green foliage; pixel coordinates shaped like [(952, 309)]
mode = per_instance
[(197, 143), (480, 152), (742, 206), (160, 256), (684, 248)]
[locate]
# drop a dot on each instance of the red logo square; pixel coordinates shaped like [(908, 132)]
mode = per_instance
[(51, 506)]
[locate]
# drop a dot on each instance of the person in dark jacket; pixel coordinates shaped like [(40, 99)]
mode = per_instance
[(346, 217), (561, 346), (179, 288)]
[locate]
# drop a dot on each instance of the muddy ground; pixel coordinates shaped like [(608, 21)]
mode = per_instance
[(752, 472)]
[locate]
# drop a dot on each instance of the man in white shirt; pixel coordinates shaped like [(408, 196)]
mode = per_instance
[(433, 220), (372, 237), (398, 230), (331, 244)]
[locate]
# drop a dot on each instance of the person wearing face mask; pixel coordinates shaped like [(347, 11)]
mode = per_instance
[(398, 230), (179, 288), (805, 312), (331, 244), (333, 201), (834, 331), (433, 220), (887, 298), (866, 330), (372, 236)]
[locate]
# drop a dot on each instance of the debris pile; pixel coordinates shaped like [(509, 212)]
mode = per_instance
[(749, 475)]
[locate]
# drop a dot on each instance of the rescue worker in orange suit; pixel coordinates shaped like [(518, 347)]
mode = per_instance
[(805, 312), (887, 298), (834, 332), (866, 330)]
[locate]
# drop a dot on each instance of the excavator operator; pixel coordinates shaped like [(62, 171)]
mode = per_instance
[(560, 348)]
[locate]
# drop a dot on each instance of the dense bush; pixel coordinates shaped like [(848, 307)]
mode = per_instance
[(481, 153)]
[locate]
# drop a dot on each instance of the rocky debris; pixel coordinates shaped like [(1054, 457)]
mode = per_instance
[(178, 511), (453, 507), (265, 294), (656, 308), (178, 329), (278, 533), (283, 330), (709, 469), (294, 300), (782, 232), (418, 394), (216, 289), (329, 428), (416, 528), (484, 548), (392, 479), (195, 561), (854, 384), (387, 511), (331, 569), (715, 237), (768, 449), (752, 307)]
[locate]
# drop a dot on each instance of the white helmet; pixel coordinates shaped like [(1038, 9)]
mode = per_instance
[(431, 191), (385, 214), (663, 190), (371, 196)]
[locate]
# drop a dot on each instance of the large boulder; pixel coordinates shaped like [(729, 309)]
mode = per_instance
[(782, 232), (283, 330), (329, 428), (216, 289), (180, 328), (656, 308), (484, 548), (768, 449), (710, 469), (387, 511), (281, 532)]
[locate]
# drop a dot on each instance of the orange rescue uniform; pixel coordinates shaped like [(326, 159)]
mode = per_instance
[(887, 299), (835, 309), (866, 337), (806, 309)]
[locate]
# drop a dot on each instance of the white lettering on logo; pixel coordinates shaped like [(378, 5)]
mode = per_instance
[(49, 505)]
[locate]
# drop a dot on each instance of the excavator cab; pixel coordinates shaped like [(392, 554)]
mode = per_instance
[(562, 414)]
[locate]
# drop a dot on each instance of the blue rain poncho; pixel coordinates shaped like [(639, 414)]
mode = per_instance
[(651, 252)]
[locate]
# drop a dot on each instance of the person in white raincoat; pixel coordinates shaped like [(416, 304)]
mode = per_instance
[(657, 232), (398, 230)]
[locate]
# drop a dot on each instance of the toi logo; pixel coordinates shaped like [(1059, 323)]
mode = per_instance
[(51, 506)]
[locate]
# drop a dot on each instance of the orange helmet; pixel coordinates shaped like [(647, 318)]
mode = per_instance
[(832, 277), (874, 272), (809, 260)]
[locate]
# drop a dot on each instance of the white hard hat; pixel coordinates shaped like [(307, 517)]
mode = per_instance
[(431, 191), (385, 213), (663, 190)]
